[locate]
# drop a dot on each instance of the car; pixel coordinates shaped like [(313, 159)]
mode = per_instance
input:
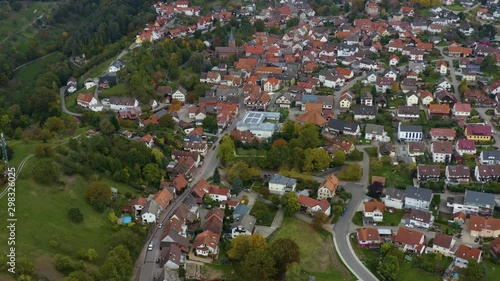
[(476, 240), (150, 247), (409, 225), (160, 225), (345, 209)]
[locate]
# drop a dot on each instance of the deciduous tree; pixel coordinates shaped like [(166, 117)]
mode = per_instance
[(389, 268), (285, 252), (473, 271), (45, 172), (319, 218), (75, 215), (227, 150), (351, 172), (210, 123), (99, 194), (258, 265), (294, 272), (151, 173), (338, 158), (243, 244), (290, 203), (237, 186)]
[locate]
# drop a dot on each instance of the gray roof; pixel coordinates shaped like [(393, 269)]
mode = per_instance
[(341, 125), (490, 155), (247, 222), (422, 194), (374, 129), (395, 193), (479, 198), (279, 179), (152, 207), (410, 128), (421, 216), (240, 210), (365, 110)]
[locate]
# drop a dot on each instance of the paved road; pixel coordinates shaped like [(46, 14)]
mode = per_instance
[(149, 269), (454, 81), (344, 225), (63, 102)]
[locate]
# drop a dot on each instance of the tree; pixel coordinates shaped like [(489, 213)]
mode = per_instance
[(216, 176), (65, 264), (175, 105), (243, 244), (489, 64), (389, 268), (45, 172), (43, 150), (319, 218), (338, 158), (237, 186), (75, 215), (106, 127), (356, 155), (473, 271), (285, 252), (463, 86), (258, 265), (99, 194), (54, 124), (351, 172), (309, 136), (152, 173), (167, 121), (294, 272), (375, 189), (259, 25), (243, 171), (292, 22), (290, 203), (210, 123), (227, 150), (118, 265)]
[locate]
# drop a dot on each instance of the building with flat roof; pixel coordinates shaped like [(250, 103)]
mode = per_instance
[(255, 122)]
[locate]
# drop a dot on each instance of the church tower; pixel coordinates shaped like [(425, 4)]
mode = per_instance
[(231, 41)]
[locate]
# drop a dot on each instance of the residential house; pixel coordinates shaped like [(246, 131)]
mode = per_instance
[(107, 81), (461, 110), (418, 198), (441, 151), (394, 198), (150, 212), (411, 98), (89, 83), (137, 205), (207, 244), (279, 184), (442, 67), (118, 103), (444, 244), (443, 83), (428, 172), (363, 112), (484, 173), (240, 210), (310, 205), (480, 226), (116, 66), (459, 174), (442, 110), (373, 211), (87, 100), (368, 238), (383, 84), (366, 99), (272, 84), (343, 127), (171, 257), (410, 240), (243, 226), (426, 97), (393, 60), (420, 218), (328, 187), (408, 84), (408, 112), (385, 149), (465, 146), (376, 133), (179, 183), (218, 193), (447, 134), (489, 157), (346, 99), (180, 94), (473, 203), (495, 245), (478, 132), (465, 253), (416, 149), (409, 132), (284, 101)]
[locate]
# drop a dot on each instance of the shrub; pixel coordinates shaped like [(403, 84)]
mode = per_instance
[(75, 215)]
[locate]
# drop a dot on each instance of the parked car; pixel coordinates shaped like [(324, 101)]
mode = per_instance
[(160, 225), (476, 240), (150, 247), (409, 225)]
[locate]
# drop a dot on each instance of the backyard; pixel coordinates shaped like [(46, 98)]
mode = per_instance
[(264, 212), (398, 176), (317, 253)]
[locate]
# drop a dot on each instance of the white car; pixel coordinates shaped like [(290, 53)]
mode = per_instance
[(150, 247), (409, 225)]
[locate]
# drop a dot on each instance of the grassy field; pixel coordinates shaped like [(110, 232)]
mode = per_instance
[(492, 271), (17, 20), (457, 8), (316, 251), (42, 215), (118, 90), (25, 76), (392, 219)]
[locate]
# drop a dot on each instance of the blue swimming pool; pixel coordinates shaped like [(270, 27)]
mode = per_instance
[(126, 219)]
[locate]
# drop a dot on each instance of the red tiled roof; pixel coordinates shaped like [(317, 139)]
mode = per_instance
[(368, 234), (467, 253), (408, 236)]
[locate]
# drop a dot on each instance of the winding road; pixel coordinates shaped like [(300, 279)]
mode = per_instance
[(63, 102)]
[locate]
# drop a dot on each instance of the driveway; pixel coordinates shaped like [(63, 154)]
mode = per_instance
[(266, 231)]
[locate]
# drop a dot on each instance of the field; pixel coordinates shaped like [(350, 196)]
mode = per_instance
[(492, 271), (43, 228), (456, 8), (15, 21), (317, 253)]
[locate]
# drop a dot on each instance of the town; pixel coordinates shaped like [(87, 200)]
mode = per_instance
[(292, 140)]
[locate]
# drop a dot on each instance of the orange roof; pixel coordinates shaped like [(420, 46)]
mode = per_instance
[(207, 238), (331, 183), (479, 223), (201, 188), (85, 98), (372, 206), (467, 253), (179, 182), (368, 234), (268, 69), (461, 50), (408, 236), (344, 71), (163, 198), (313, 117), (273, 81), (439, 108)]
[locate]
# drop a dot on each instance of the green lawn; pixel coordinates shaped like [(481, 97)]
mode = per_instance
[(392, 219), (316, 250), (358, 218), (241, 152), (457, 8), (17, 20), (492, 271), (396, 176), (372, 152), (26, 75), (118, 90)]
